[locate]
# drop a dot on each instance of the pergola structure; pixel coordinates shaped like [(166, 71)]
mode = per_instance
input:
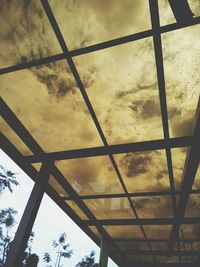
[(139, 229)]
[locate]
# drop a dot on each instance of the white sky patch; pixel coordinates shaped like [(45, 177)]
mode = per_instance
[(51, 221)]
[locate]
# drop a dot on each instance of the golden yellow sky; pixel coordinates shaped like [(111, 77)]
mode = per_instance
[(121, 84)]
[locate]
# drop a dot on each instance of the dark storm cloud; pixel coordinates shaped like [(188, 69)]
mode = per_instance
[(161, 174), (57, 78), (136, 163), (135, 89), (143, 202), (173, 111), (145, 108), (183, 126), (150, 109), (28, 34)]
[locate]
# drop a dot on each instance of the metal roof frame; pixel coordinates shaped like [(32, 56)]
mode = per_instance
[(167, 143)]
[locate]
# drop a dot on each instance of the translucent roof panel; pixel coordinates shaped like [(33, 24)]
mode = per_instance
[(9, 133), (25, 33), (194, 6), (190, 231), (87, 22), (153, 207), (196, 184), (110, 208), (189, 246), (128, 245), (125, 231), (181, 63), (76, 209), (57, 187), (37, 166), (158, 245), (166, 14), (123, 204), (50, 106), (91, 176), (123, 91), (167, 259), (138, 259), (94, 230), (178, 163), (157, 231), (196, 246), (144, 171), (193, 206)]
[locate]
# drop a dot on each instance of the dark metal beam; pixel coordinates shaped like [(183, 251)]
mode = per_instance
[(159, 253), (164, 264), (189, 172), (131, 38), (16, 156), (154, 12), (154, 240), (34, 63), (182, 12), (69, 211), (80, 85), (19, 243), (26, 137), (139, 194), (114, 149), (99, 46), (146, 221), (9, 116)]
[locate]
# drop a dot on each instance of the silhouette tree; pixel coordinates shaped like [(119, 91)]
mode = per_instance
[(32, 260), (28, 250), (47, 257), (88, 261), (7, 221), (7, 179), (63, 250)]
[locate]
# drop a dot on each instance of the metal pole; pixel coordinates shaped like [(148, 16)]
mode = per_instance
[(28, 218)]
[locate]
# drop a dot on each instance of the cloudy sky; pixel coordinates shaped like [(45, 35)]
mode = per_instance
[(121, 84), (48, 225)]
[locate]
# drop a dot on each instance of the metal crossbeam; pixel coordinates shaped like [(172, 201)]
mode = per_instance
[(26, 137), (167, 143), (99, 46), (159, 253), (164, 264), (16, 156), (146, 221), (154, 12), (137, 194), (128, 240), (113, 149), (75, 73), (18, 245), (190, 169)]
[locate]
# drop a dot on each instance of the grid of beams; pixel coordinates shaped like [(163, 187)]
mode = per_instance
[(167, 143)]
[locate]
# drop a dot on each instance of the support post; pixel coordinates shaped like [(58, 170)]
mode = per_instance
[(103, 259), (19, 243), (181, 10)]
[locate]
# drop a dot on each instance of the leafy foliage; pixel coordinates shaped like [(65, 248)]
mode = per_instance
[(88, 261), (63, 250), (7, 179), (28, 251), (7, 221), (47, 257)]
